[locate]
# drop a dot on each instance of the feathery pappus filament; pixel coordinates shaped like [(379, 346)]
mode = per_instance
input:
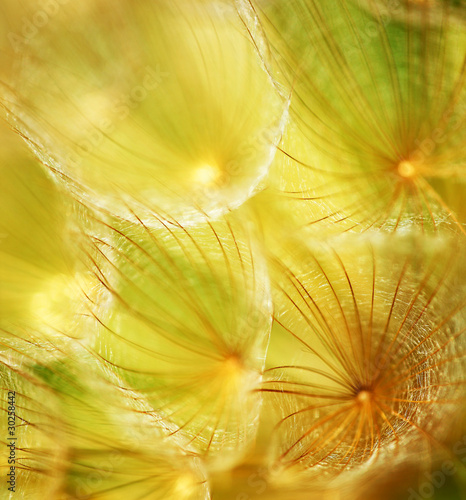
[(151, 103), (188, 325), (32, 446), (332, 202), (117, 447), (378, 109), (181, 315), (375, 363)]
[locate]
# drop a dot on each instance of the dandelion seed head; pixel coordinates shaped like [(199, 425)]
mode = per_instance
[(398, 85), (194, 342), (379, 372), (144, 110)]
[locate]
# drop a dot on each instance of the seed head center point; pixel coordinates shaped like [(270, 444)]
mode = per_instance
[(406, 169), (363, 397)]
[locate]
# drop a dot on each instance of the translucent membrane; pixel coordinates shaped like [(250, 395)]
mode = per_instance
[(373, 368), (42, 282), (151, 105), (188, 326), (379, 99)]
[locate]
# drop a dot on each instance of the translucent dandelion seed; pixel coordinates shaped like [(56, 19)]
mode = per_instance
[(376, 353), (146, 109), (374, 87), (188, 326)]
